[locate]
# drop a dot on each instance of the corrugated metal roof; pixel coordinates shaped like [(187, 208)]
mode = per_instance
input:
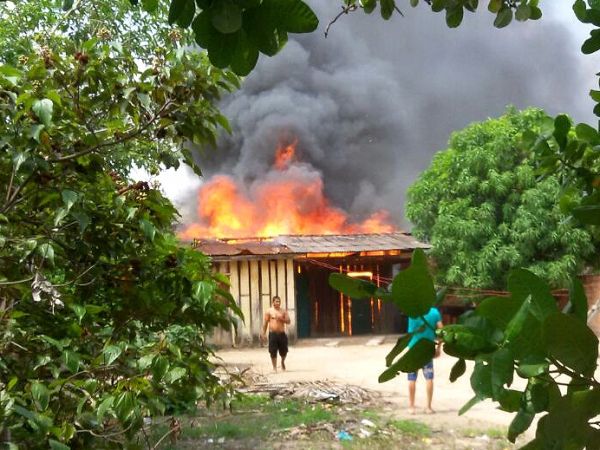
[(351, 243), (302, 244)]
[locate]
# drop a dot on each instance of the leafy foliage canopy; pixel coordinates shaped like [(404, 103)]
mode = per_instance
[(103, 315), (484, 210)]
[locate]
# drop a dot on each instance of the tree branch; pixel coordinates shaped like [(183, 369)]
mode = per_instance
[(9, 283), (125, 137), (13, 198), (345, 10)]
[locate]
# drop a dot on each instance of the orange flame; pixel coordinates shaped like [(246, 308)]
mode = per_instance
[(290, 200), (284, 156)]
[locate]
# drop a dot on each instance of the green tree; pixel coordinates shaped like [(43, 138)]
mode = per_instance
[(104, 317), (484, 210), (234, 33)]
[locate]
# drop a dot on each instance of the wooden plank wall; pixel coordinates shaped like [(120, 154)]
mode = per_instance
[(253, 284)]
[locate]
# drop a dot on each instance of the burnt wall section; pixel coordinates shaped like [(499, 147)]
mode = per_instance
[(254, 282)]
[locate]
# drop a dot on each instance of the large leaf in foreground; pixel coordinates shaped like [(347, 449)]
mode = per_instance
[(412, 289)]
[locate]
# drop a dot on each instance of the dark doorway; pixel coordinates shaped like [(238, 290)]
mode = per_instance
[(361, 317), (303, 306), (324, 312)]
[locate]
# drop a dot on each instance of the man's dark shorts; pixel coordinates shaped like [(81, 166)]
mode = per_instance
[(278, 342)]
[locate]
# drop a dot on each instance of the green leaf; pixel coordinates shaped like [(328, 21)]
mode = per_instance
[(150, 5), (537, 395), (243, 59), (412, 289), (125, 406), (79, 311), (175, 374), (438, 5), (592, 44), (401, 344), (298, 17), (10, 74), (523, 333), (458, 369), (472, 5), (41, 395), (34, 132), (494, 6), (463, 341), (148, 229), (580, 10), (226, 16), (221, 49), (587, 214), (18, 159), (523, 283), (61, 213), (562, 126), (69, 198), (82, 219), (481, 380), (528, 369), (504, 17), (369, 5), (352, 287), (416, 357), (223, 121), (454, 16), (523, 12), (502, 364), (587, 133), (261, 29), (571, 342), (46, 251), (55, 445), (510, 400), (519, 424), (159, 368), (43, 110), (387, 8), (111, 353), (499, 310), (566, 424), (578, 300), (71, 360), (203, 291), (179, 9), (467, 406), (104, 407), (145, 361)]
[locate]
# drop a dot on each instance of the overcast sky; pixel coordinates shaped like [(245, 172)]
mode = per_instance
[(372, 103)]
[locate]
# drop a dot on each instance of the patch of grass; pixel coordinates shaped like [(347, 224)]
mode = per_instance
[(411, 427), (256, 416), (249, 402), (371, 415)]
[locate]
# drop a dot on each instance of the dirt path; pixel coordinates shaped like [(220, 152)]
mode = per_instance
[(360, 363)]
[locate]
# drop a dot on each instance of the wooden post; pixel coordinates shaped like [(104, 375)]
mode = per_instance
[(235, 293), (291, 298), (245, 301), (255, 307)]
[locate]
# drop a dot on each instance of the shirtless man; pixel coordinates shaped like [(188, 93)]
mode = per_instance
[(275, 320)]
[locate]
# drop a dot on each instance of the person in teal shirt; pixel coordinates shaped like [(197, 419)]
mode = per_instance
[(424, 330)]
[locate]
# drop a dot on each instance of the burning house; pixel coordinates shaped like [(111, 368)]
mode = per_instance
[(297, 238), (296, 268)]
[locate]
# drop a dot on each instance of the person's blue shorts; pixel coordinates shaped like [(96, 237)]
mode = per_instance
[(427, 372)]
